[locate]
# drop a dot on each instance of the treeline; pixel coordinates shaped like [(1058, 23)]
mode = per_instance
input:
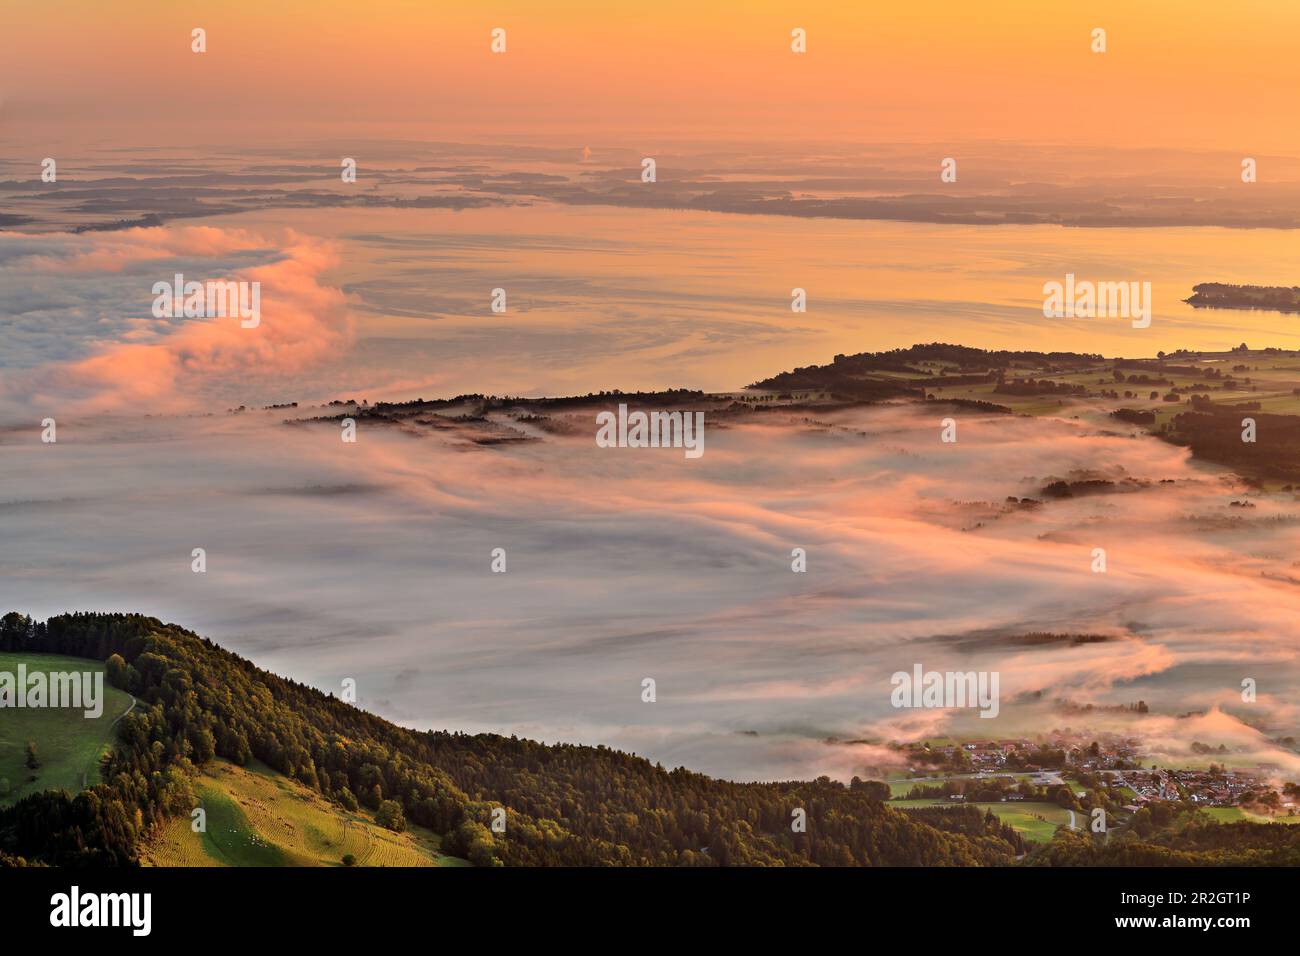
[(1223, 295), (1043, 386), (1177, 840), (1215, 433), (844, 376), (966, 357), (971, 821), (565, 804), (1134, 416)]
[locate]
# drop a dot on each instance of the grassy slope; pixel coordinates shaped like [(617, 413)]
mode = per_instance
[(255, 817), (68, 743)]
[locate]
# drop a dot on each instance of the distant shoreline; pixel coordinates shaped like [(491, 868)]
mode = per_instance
[(1268, 298)]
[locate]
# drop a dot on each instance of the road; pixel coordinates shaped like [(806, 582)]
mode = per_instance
[(110, 727)]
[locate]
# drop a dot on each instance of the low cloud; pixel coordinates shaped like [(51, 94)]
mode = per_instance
[(107, 352), (626, 564)]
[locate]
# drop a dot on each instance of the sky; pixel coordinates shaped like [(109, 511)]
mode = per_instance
[(1184, 74)]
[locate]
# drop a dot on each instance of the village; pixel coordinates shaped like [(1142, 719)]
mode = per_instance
[(1019, 769)]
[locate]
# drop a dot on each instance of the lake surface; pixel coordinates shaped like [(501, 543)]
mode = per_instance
[(621, 298)]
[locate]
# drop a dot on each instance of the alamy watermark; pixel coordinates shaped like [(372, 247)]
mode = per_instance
[(1085, 299), (82, 690), (75, 908), (946, 689), (209, 300), (651, 430)]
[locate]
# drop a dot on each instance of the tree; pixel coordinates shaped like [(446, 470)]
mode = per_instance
[(390, 816), (17, 631), (875, 789), (473, 841), (116, 671)]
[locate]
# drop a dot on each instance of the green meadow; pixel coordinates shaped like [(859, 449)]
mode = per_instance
[(69, 745)]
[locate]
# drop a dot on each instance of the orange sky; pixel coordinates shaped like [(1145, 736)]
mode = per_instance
[(1198, 74)]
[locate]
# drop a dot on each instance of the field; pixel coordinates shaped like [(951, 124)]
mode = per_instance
[(1036, 822), (900, 786), (1237, 814), (1273, 377), (68, 744), (255, 817)]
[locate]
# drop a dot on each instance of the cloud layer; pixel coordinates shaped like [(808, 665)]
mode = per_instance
[(86, 341), (329, 560)]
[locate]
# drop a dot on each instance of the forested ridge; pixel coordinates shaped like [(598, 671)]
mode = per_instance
[(566, 804), (1195, 843)]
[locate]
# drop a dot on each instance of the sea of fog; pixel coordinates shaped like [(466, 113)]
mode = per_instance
[(372, 561)]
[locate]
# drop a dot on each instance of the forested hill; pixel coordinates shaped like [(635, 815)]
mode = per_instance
[(565, 804), (875, 376)]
